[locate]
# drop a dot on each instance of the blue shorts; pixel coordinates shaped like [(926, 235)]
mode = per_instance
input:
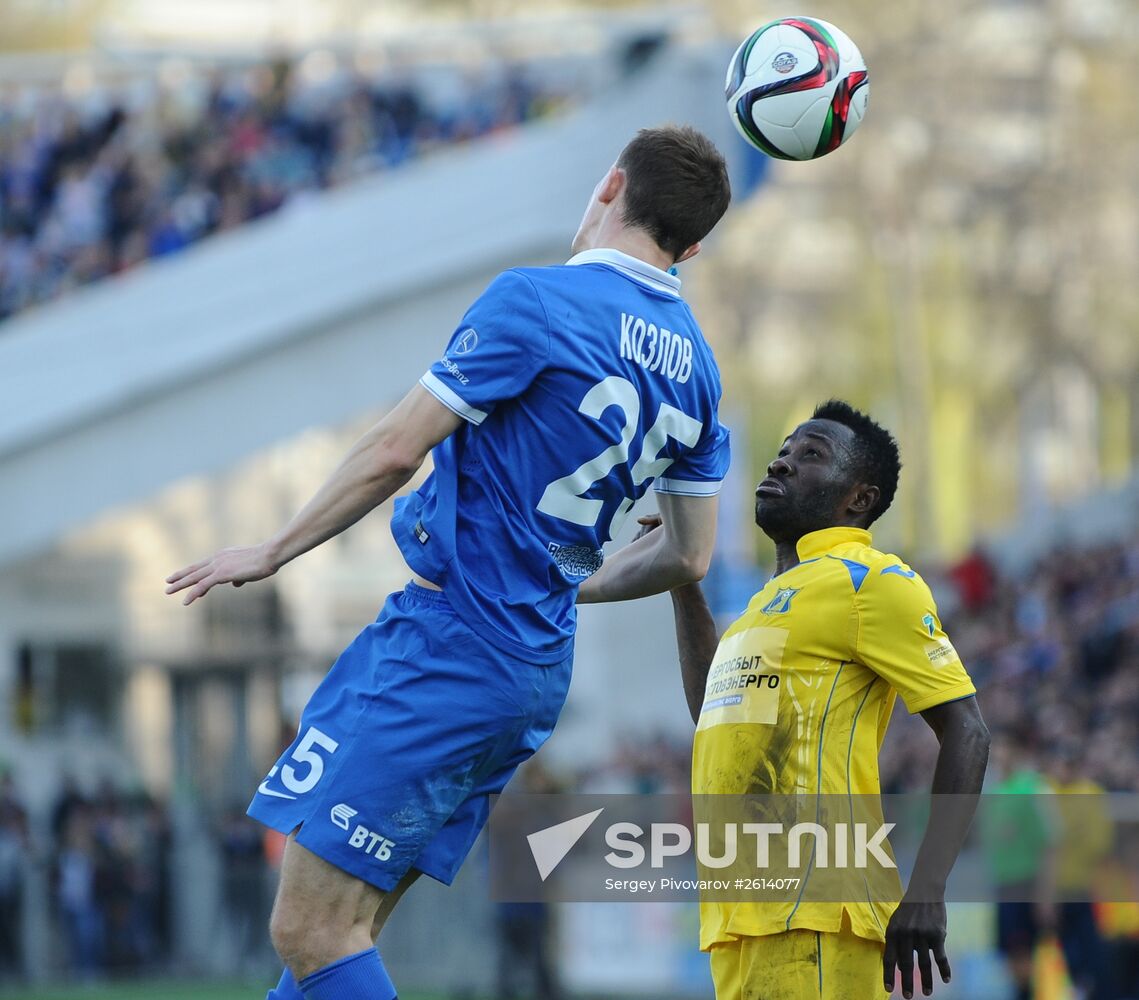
[(416, 725)]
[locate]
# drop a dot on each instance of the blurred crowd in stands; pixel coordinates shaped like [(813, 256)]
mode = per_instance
[(106, 862), (107, 868), (110, 875), (90, 187), (1054, 653)]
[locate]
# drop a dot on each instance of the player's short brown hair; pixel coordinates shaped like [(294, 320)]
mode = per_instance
[(677, 185)]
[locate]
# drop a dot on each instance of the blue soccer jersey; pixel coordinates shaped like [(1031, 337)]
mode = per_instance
[(580, 385)]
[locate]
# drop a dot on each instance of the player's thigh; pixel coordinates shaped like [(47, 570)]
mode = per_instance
[(391, 899), (768, 967), (798, 965), (545, 688), (851, 966), (315, 897), (726, 960)]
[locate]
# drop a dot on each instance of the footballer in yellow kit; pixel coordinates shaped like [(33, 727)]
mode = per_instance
[(795, 700)]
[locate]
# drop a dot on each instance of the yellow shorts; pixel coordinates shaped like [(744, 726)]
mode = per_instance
[(798, 965)]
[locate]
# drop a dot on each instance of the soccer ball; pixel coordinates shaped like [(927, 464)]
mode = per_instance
[(797, 88)]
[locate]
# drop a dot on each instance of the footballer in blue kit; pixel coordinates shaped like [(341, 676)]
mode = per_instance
[(563, 396)]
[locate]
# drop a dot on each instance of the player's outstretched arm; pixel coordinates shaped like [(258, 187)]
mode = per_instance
[(678, 553), (918, 924), (377, 465), (696, 634), (696, 640)]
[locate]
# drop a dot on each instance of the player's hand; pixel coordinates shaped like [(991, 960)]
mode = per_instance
[(648, 522), (915, 927), (236, 565)]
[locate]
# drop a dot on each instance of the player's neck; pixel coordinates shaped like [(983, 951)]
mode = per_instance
[(634, 242), (787, 549), (786, 556)]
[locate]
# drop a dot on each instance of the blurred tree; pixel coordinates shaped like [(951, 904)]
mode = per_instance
[(965, 267), (36, 25)]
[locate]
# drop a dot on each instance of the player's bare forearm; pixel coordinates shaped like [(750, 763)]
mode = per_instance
[(366, 477), (672, 549), (370, 473), (919, 923), (642, 568), (696, 642), (381, 462), (957, 779)]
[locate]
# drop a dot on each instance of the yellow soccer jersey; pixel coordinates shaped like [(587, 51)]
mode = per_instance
[(799, 696)]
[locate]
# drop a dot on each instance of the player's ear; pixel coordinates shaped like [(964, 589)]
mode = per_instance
[(688, 254), (611, 185), (865, 500)]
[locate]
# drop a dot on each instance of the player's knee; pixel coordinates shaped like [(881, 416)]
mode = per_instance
[(306, 939), (298, 942), (285, 933)]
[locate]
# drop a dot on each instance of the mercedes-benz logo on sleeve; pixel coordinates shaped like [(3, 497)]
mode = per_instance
[(467, 341)]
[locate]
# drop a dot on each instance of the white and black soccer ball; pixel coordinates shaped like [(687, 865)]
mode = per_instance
[(797, 88)]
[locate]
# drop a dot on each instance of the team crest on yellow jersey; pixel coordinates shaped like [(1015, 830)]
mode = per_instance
[(781, 603)]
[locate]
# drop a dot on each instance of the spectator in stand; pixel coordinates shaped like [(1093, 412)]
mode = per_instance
[(116, 847), (112, 880), (69, 801), (1056, 652), (524, 931), (1085, 828), (1019, 833), (975, 579), (14, 856), (76, 894), (92, 189), (152, 884), (244, 890)]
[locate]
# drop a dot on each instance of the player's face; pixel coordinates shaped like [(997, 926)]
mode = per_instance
[(809, 483)]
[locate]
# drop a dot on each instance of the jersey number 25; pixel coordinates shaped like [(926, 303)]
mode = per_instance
[(563, 497)]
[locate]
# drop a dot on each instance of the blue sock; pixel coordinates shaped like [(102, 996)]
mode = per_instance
[(358, 977), (287, 988)]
